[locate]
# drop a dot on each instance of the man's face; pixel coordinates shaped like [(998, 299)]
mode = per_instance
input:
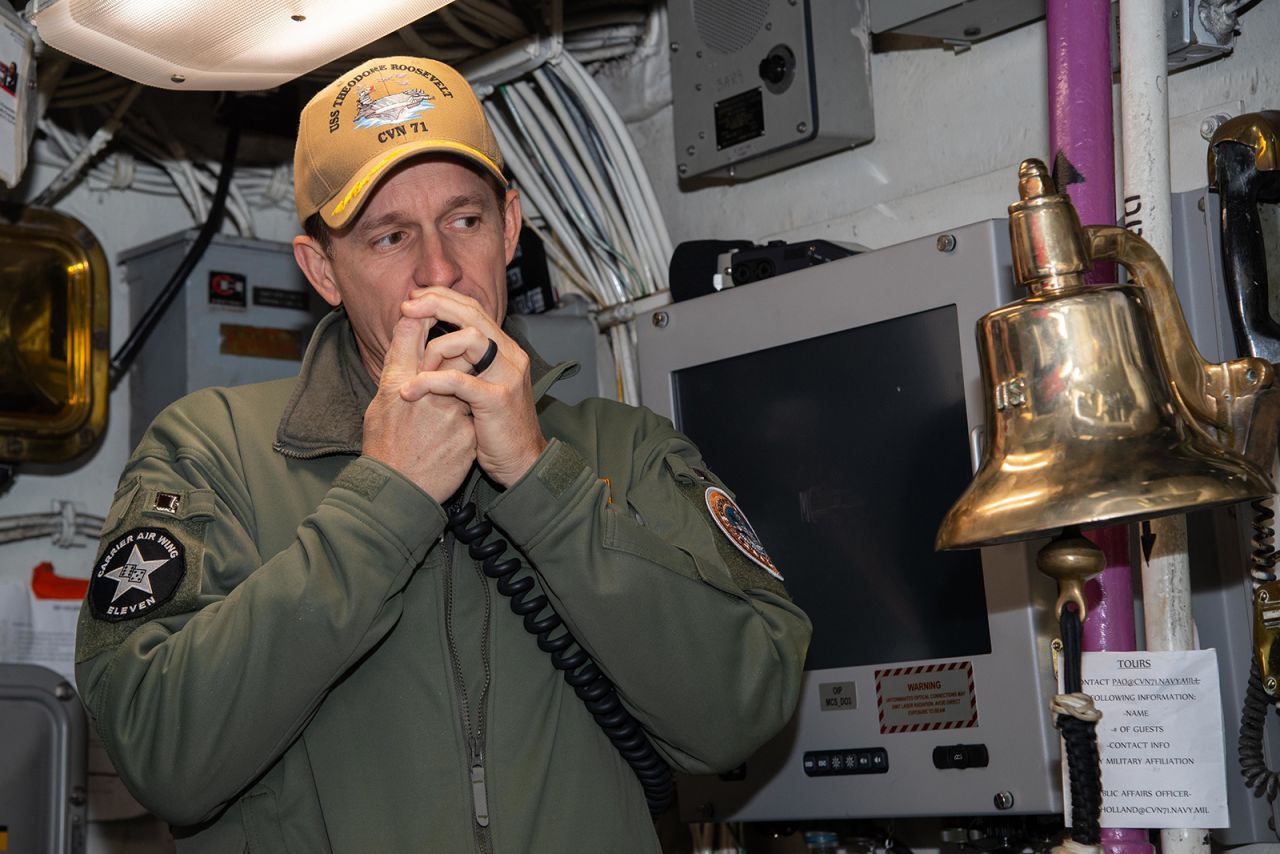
[(433, 222)]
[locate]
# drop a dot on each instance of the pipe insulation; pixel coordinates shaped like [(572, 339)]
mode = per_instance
[(1144, 110)]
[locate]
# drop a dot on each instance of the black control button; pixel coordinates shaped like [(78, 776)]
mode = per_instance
[(961, 756), (773, 68), (866, 760)]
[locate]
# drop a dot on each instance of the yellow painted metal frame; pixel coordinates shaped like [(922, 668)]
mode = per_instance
[(54, 337)]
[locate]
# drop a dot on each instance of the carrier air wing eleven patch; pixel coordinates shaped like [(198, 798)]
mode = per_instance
[(137, 572)]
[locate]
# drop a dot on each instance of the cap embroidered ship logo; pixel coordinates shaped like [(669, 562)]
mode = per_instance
[(392, 108), (734, 525)]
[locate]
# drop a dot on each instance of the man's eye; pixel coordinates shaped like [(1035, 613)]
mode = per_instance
[(390, 239), (468, 221)]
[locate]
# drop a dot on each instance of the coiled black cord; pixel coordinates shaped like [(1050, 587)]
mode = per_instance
[(1081, 740), (567, 655), (1260, 779), (1264, 551)]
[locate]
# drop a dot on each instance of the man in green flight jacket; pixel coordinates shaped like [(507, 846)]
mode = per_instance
[(286, 648)]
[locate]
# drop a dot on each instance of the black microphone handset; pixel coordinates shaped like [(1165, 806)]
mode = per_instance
[(440, 327), (567, 655)]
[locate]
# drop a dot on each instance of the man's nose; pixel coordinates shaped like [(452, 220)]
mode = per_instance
[(437, 265)]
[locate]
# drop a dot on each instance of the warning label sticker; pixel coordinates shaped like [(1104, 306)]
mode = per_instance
[(928, 697)]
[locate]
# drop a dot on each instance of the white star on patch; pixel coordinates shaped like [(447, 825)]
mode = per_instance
[(135, 574)]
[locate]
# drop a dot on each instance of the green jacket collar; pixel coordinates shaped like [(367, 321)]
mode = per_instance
[(325, 414)]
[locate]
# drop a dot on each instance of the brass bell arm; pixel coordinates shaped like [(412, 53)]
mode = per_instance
[(1221, 395)]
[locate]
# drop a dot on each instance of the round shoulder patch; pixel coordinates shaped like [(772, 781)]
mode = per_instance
[(136, 573), (733, 523)]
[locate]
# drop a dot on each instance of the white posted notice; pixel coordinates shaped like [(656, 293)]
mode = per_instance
[(1160, 739)]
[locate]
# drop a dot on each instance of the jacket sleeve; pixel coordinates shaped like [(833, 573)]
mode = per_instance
[(190, 696), (701, 641)]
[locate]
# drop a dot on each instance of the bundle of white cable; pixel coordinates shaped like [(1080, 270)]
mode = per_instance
[(71, 172), (171, 172), (580, 174), (64, 523)]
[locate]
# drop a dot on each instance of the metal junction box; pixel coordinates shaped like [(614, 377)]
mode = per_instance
[(245, 314), (44, 776), (760, 85)]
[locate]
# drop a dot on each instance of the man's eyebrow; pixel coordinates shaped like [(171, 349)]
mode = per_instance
[(463, 200), (369, 224)]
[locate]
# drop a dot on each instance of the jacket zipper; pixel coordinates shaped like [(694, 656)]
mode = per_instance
[(479, 797), (313, 453), (474, 735)]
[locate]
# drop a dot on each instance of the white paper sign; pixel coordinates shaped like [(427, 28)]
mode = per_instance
[(15, 88), (1160, 739), (37, 629)]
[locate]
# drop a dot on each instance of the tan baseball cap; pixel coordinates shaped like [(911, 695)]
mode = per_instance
[(368, 120)]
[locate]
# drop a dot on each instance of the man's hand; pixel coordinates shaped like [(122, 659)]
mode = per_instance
[(429, 439), (508, 436)]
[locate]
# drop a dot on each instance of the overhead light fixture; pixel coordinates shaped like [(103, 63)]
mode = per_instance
[(226, 45)]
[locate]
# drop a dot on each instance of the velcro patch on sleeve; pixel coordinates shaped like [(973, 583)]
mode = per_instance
[(361, 480), (561, 468), (136, 573)]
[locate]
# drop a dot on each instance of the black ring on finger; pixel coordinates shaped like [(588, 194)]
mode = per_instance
[(487, 359)]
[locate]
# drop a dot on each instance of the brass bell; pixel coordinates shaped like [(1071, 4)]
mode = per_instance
[(1099, 408)]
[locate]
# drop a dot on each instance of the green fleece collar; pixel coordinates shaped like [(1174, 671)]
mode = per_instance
[(325, 415)]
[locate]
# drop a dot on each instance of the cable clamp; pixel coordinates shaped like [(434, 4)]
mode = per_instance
[(65, 536), (1077, 705), (124, 169), (280, 184)]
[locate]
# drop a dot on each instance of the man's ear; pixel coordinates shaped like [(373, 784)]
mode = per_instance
[(511, 223), (317, 266)]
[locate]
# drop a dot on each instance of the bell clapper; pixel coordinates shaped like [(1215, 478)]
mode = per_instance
[(1071, 560)]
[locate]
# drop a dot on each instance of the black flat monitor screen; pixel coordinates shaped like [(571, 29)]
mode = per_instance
[(844, 452)]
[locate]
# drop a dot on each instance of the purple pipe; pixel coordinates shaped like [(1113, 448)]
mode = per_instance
[(1082, 143), (1081, 138)]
